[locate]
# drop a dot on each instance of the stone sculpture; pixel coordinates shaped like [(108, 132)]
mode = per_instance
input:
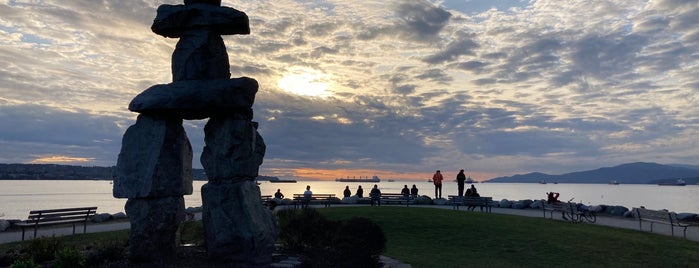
[(154, 166)]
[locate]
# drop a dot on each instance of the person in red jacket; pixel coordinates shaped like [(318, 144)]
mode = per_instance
[(437, 179)]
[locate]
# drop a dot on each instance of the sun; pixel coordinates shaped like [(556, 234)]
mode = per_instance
[(305, 82)]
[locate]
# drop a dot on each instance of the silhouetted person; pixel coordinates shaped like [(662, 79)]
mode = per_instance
[(375, 195), (360, 192), (347, 192), (307, 195), (279, 194), (460, 179), (552, 197), (405, 191), (413, 191)]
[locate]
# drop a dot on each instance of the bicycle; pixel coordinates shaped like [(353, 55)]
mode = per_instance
[(580, 213)]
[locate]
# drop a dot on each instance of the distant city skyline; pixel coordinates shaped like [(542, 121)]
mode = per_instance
[(393, 88)]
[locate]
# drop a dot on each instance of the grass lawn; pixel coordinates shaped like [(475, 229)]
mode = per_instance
[(426, 237)]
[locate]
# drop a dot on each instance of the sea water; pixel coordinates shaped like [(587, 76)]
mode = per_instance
[(18, 197)]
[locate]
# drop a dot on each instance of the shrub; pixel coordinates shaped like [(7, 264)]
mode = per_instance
[(43, 248), (24, 263), (69, 258), (107, 253), (357, 242)]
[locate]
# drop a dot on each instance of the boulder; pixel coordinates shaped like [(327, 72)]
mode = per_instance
[(439, 201), (350, 199), (505, 203), (629, 214), (101, 217), (687, 216), (119, 216), (423, 200), (537, 204), (597, 208), (234, 149), (198, 99), (616, 210), (4, 224), (237, 227)]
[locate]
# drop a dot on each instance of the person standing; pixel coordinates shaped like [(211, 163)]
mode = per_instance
[(460, 179), (375, 195), (437, 179)]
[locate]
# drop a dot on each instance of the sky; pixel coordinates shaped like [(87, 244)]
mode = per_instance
[(392, 88)]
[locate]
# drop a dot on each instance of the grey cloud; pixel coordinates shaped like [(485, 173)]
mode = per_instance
[(420, 20), (435, 75), (455, 49)]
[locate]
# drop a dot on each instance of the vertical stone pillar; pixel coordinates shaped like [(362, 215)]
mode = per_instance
[(154, 171)]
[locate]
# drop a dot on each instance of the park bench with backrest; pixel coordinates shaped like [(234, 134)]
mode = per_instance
[(47, 217), (394, 198), (662, 217), (565, 208), (471, 202), (318, 199)]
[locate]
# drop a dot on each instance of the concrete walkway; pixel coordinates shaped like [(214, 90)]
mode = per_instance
[(617, 222)]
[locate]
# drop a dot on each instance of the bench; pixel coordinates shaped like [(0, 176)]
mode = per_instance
[(393, 198), (563, 207), (265, 199), (38, 218), (471, 202), (323, 199), (662, 217)]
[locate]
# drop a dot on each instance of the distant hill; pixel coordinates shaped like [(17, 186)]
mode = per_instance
[(632, 173), (68, 172)]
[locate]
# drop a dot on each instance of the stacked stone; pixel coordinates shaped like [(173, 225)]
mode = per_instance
[(154, 166)]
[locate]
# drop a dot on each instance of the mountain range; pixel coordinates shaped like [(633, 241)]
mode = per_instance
[(631, 173)]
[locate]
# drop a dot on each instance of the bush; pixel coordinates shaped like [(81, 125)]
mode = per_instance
[(25, 263), (357, 242), (69, 258), (107, 253), (43, 248)]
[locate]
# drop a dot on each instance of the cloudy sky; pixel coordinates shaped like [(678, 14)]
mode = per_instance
[(394, 88)]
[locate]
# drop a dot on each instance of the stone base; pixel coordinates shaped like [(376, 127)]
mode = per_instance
[(154, 225), (237, 226)]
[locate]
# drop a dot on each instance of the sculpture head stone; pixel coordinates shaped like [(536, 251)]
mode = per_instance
[(210, 2)]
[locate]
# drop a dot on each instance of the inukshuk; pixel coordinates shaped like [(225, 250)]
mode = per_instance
[(154, 165)]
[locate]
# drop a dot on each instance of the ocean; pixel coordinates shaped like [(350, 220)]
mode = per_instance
[(18, 197)]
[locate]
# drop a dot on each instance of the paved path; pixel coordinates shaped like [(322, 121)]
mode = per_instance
[(692, 232)]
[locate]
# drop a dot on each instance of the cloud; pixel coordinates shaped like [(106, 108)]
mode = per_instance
[(506, 86)]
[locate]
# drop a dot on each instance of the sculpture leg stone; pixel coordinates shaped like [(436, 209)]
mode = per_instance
[(154, 171), (154, 224), (237, 226)]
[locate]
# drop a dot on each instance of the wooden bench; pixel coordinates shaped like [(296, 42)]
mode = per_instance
[(471, 202), (662, 217), (323, 199), (563, 207), (48, 217), (265, 199), (393, 198)]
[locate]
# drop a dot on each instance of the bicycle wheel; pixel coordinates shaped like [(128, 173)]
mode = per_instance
[(589, 217)]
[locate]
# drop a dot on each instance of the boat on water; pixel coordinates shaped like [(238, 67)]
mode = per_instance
[(283, 181), (365, 179), (470, 181), (614, 182), (678, 182)]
